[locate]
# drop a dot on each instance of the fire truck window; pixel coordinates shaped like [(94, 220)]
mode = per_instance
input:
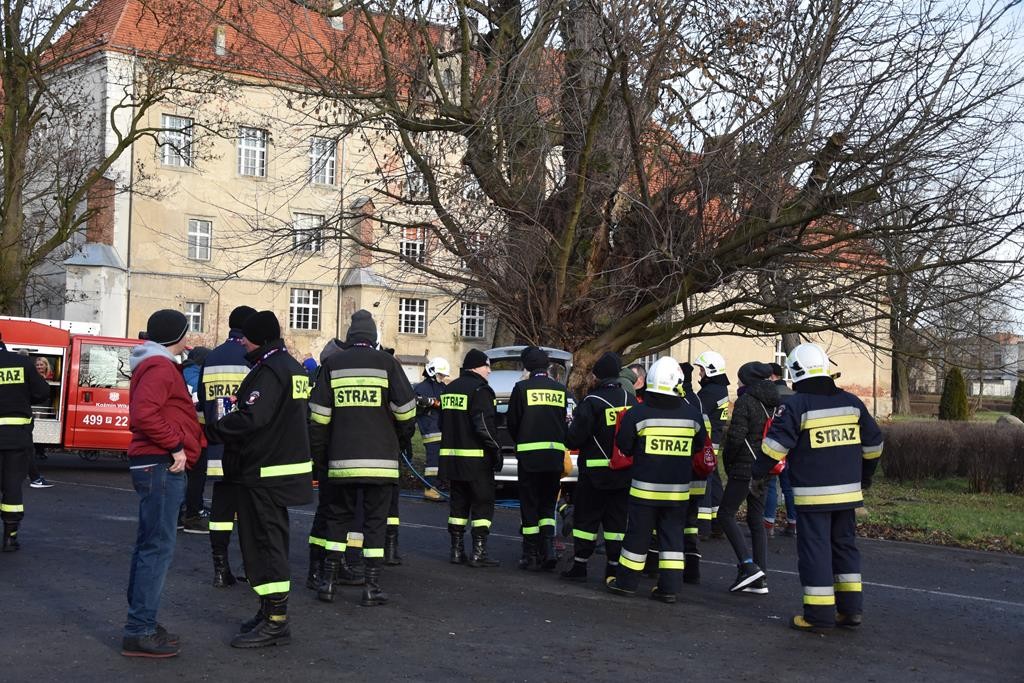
[(104, 367)]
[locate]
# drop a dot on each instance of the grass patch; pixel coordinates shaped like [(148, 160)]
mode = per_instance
[(979, 416), (944, 512)]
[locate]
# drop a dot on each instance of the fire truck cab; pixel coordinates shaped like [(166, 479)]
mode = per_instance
[(89, 376)]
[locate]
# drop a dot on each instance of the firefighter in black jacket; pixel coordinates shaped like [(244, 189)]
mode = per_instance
[(223, 371), (661, 435), (361, 411), (537, 424), (714, 398), (428, 418), (266, 452), (470, 455), (602, 494), (20, 387), (831, 445)]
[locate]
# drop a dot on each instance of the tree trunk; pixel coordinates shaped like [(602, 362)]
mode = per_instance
[(900, 383)]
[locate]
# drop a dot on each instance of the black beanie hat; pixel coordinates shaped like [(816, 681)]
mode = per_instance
[(776, 369), (167, 327), (608, 365), (475, 359), (260, 328), (362, 328), (239, 315), (534, 358), (753, 371)]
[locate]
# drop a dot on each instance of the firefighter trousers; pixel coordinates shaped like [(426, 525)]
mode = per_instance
[(691, 528), (327, 493), (433, 452), (594, 508), (13, 470), (472, 500), (393, 518), (263, 535), (342, 518), (829, 564), (538, 493), (223, 507), (641, 520), (707, 517)]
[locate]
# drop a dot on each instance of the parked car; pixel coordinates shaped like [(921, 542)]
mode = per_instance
[(506, 370)]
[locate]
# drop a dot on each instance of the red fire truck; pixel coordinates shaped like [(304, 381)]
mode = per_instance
[(88, 376)]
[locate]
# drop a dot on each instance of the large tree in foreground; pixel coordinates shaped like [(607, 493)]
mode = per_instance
[(628, 174)]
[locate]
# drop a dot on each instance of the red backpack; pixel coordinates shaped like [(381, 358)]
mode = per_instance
[(781, 464), (705, 462)]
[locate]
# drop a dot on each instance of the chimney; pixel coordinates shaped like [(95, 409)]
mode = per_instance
[(100, 204)]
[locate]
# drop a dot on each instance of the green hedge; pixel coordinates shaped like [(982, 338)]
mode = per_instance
[(991, 456), (953, 403)]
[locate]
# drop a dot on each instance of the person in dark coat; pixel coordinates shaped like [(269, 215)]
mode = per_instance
[(756, 404)]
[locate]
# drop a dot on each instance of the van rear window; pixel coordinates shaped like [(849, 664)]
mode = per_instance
[(104, 366)]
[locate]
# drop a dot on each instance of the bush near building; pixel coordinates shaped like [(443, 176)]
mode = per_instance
[(1017, 408), (953, 404)]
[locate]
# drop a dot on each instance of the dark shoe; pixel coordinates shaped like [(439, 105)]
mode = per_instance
[(662, 596), (261, 614), (458, 554), (769, 528), (11, 537), (316, 566), (610, 570), (272, 630), (531, 555), (328, 580), (479, 557), (691, 570), (747, 573), (197, 524), (849, 620), (372, 594), (222, 576), (759, 587), (348, 575), (799, 623), (548, 554), (169, 638), (577, 572), (612, 584), (153, 646), (391, 557), (790, 530)]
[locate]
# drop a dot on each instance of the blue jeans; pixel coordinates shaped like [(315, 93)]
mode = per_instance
[(160, 495), (771, 503)]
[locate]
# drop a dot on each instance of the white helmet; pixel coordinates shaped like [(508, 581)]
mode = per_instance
[(712, 362), (438, 366), (807, 360), (664, 376)]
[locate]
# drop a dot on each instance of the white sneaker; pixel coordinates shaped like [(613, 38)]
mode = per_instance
[(40, 483)]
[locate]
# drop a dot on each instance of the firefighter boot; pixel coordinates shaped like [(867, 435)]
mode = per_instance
[(458, 555), (391, 557), (328, 579), (531, 555), (548, 556), (222, 576), (479, 557), (691, 570), (316, 566), (347, 575), (11, 537), (272, 630), (372, 594), (261, 614), (577, 572)]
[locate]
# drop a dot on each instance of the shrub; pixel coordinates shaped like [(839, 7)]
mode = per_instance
[(1017, 408), (920, 450), (988, 451), (953, 403)]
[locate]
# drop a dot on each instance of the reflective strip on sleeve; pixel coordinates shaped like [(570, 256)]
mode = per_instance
[(286, 470), (827, 495), (430, 472), (15, 420), (404, 412), (215, 468), (463, 452), (698, 487), (633, 561), (703, 513), (539, 446), (773, 449), (690, 531), (596, 462), (10, 507), (433, 437), (485, 523), (583, 535), (228, 526), (872, 452), (275, 587)]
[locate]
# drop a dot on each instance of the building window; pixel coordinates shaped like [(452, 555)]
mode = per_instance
[(473, 323), (412, 316), (416, 182), (220, 41), (474, 243), (323, 155), (780, 357), (176, 140), (252, 152), (308, 232), (194, 313), (414, 243), (200, 239), (304, 309)]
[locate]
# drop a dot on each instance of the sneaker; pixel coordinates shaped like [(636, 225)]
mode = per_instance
[(41, 483), (196, 524), (170, 638), (154, 646), (747, 573), (432, 494), (759, 587), (769, 528)]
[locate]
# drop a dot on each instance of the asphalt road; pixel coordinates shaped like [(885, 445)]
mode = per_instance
[(932, 614)]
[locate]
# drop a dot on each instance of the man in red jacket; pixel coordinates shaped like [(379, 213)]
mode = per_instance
[(166, 439)]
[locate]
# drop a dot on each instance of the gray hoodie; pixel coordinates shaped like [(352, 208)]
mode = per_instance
[(148, 349)]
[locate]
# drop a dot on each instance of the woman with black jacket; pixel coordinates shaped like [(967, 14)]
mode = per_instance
[(758, 398)]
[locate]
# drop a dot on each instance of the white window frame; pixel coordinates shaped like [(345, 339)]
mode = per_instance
[(195, 313), (414, 248), (176, 141), (323, 161), (200, 230), (473, 320), (416, 182), (781, 357), (308, 232), (412, 316), (252, 151), (304, 309), (474, 243)]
